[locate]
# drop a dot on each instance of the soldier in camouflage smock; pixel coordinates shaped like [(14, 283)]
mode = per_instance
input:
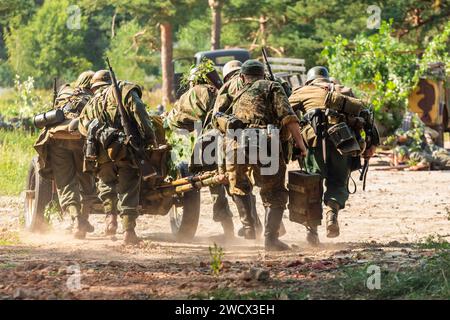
[(261, 103), (118, 175), (196, 105), (60, 152), (232, 85)]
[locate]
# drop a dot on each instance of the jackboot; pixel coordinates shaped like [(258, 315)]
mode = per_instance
[(272, 225), (244, 206), (111, 224), (332, 210), (129, 223), (85, 218), (312, 236), (258, 225), (228, 227)]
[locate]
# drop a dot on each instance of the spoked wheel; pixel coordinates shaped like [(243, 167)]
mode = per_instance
[(185, 212), (38, 194)]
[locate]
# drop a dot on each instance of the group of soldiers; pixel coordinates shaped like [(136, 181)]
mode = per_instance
[(249, 96), (415, 148), (246, 95)]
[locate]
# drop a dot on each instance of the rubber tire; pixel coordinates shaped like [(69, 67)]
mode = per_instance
[(185, 228), (35, 220)]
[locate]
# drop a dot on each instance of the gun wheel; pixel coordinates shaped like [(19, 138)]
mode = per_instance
[(38, 194), (185, 213)]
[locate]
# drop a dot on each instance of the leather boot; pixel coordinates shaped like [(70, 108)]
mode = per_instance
[(111, 224), (244, 206), (272, 224), (85, 209), (228, 227), (129, 223), (258, 225), (82, 228), (332, 210), (312, 236)]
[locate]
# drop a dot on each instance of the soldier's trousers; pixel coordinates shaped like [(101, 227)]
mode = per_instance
[(273, 190), (335, 172), (75, 188), (119, 187)]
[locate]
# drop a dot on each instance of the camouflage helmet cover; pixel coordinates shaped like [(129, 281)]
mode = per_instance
[(101, 78), (252, 68), (84, 80), (230, 67), (316, 73)]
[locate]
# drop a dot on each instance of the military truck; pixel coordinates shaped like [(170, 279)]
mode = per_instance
[(289, 69), (431, 100)]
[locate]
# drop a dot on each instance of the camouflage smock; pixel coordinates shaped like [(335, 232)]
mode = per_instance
[(193, 106), (261, 103)]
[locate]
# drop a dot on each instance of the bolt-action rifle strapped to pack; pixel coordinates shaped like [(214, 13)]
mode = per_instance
[(132, 134), (214, 78)]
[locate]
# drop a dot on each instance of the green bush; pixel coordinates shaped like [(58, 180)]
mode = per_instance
[(16, 152)]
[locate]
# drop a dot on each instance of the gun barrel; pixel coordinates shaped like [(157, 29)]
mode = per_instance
[(207, 179)]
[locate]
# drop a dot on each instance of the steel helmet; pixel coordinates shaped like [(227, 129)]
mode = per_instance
[(316, 73), (101, 78), (230, 67)]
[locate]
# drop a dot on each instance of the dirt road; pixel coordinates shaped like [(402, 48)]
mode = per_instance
[(397, 210)]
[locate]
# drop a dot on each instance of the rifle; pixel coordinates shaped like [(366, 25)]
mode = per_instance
[(131, 132), (369, 133), (55, 93), (266, 62)]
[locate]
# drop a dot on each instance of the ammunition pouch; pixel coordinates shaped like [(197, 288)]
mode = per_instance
[(113, 142), (227, 122), (91, 146), (343, 104), (344, 139), (49, 119)]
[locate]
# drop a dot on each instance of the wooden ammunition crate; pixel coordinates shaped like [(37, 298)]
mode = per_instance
[(305, 196)]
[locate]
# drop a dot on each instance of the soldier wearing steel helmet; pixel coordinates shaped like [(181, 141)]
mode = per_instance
[(116, 169), (60, 150), (259, 104), (323, 157), (196, 105)]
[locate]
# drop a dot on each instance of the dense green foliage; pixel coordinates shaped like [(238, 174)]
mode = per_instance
[(14, 168), (40, 43), (383, 69)]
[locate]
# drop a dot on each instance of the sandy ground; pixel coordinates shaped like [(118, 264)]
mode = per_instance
[(397, 210)]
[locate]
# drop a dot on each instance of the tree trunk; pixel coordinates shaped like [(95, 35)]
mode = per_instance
[(166, 63), (216, 26), (262, 29)]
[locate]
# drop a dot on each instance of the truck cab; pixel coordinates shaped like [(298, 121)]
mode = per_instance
[(219, 57)]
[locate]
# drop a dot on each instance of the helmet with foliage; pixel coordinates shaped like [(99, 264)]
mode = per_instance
[(316, 73), (84, 80), (229, 68), (197, 74), (101, 78)]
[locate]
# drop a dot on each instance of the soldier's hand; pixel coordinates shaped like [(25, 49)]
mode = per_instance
[(369, 153)]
